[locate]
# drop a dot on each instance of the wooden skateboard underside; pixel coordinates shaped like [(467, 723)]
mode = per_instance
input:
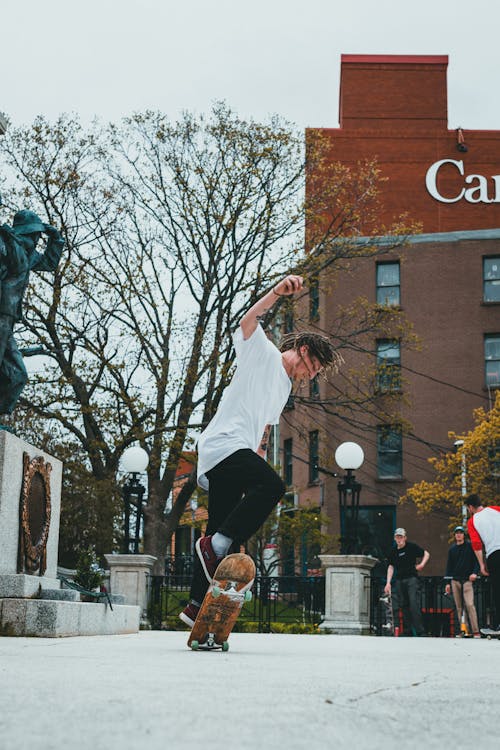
[(222, 603)]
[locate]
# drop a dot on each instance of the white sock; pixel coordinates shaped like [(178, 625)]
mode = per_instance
[(221, 544)]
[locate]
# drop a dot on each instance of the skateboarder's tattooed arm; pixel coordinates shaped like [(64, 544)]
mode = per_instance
[(262, 449), (289, 285)]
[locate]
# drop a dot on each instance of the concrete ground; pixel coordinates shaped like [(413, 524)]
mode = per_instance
[(149, 691)]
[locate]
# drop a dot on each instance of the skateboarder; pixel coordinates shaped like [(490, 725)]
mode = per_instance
[(242, 487), (462, 569), (403, 560), (484, 529)]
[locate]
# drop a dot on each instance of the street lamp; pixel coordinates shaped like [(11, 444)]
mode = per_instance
[(460, 444), (134, 461), (349, 456)]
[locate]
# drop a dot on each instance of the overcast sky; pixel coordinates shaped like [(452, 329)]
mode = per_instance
[(112, 57)]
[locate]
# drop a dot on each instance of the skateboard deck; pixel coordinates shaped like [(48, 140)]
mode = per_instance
[(489, 633), (388, 625), (222, 604)]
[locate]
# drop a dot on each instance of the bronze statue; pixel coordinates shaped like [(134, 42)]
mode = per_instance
[(18, 256)]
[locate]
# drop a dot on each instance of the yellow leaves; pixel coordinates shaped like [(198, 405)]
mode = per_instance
[(479, 455)]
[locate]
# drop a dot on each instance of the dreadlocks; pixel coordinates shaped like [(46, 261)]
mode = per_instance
[(318, 346)]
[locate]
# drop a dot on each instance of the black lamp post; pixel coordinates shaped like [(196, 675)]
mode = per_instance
[(134, 462), (349, 456)]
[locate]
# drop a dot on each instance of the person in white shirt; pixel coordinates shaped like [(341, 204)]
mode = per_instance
[(484, 532), (243, 488)]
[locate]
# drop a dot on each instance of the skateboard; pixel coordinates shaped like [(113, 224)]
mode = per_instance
[(222, 604), (489, 633), (388, 625)]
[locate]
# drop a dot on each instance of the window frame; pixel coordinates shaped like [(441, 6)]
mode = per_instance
[(314, 299), (389, 372), (491, 281), (378, 286), (393, 430), (288, 461), (487, 338), (313, 456)]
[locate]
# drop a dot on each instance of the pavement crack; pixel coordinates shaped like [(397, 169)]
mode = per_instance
[(362, 696)]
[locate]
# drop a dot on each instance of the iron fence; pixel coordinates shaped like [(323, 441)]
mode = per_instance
[(289, 600), (438, 609), (300, 602)]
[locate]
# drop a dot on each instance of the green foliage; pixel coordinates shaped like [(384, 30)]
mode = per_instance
[(88, 573)]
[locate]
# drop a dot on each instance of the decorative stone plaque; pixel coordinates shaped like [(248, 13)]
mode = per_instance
[(34, 516)]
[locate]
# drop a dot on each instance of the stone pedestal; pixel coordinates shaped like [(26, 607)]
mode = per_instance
[(347, 593), (32, 602), (13, 583), (129, 575)]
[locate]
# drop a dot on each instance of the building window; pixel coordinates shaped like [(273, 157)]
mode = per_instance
[(288, 317), (288, 462), (492, 360), (314, 387), (389, 452), (313, 456), (314, 299), (374, 532), (388, 365), (388, 291), (491, 279)]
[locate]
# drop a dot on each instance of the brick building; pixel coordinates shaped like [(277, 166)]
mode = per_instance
[(446, 281)]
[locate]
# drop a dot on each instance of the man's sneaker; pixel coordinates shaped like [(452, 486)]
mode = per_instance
[(477, 635), (189, 614), (208, 558)]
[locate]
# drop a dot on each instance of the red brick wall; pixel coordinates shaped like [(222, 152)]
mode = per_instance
[(395, 109)]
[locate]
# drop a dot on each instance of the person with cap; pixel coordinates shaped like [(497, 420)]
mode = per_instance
[(462, 569), (484, 531), (406, 591), (18, 257)]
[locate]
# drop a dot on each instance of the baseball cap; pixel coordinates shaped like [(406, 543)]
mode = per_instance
[(400, 532), (459, 528)]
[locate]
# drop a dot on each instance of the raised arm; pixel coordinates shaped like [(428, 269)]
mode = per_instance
[(52, 255), (288, 286)]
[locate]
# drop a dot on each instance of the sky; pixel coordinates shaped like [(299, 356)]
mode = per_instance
[(110, 58)]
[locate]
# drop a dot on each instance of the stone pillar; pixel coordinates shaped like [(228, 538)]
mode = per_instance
[(347, 593), (129, 577)]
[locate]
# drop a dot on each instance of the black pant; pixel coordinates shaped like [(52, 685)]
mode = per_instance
[(243, 490), (493, 563), (406, 594)]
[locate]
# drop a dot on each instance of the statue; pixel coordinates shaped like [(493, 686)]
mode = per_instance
[(18, 256)]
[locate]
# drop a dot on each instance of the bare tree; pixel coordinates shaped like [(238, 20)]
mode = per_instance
[(172, 230)]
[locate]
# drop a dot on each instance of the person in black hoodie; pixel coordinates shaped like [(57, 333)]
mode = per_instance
[(462, 569)]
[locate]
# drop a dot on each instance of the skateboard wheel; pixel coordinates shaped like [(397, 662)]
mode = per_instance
[(216, 592), (248, 596), (225, 646), (195, 645)]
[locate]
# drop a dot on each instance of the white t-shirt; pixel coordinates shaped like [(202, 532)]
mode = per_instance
[(254, 398), (486, 523)]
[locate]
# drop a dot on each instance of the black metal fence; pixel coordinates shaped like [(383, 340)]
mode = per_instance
[(438, 608), (292, 601), (298, 603)]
